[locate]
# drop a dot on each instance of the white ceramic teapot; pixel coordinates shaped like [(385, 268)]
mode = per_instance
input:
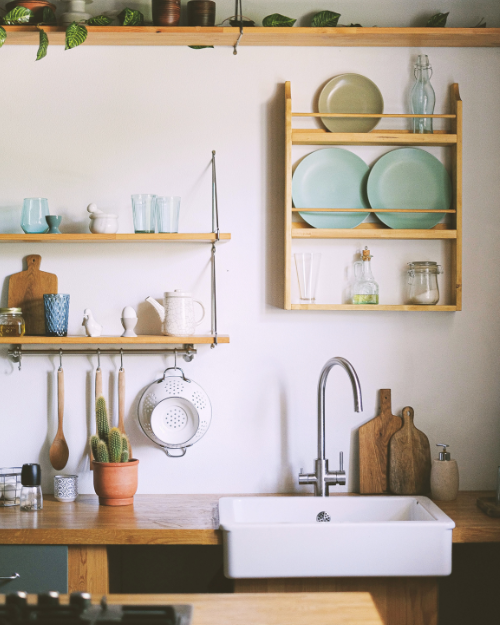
[(177, 313)]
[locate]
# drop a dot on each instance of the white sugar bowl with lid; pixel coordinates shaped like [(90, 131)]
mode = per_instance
[(177, 313), (102, 223)]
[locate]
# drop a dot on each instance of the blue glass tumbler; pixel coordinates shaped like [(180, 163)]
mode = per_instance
[(35, 209), (56, 314)]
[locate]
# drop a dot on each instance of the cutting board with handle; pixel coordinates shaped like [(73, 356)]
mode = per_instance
[(409, 459), (374, 438), (26, 290)]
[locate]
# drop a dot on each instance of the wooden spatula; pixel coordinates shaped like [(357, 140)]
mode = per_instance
[(409, 459)]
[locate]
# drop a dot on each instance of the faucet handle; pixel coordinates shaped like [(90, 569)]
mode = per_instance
[(341, 462)]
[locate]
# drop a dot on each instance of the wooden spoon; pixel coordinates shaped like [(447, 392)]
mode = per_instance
[(59, 452)]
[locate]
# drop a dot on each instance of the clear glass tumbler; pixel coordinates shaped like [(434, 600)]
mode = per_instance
[(307, 265), (35, 209), (167, 213), (143, 206), (56, 314)]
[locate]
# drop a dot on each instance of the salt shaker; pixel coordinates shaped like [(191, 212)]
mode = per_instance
[(31, 492)]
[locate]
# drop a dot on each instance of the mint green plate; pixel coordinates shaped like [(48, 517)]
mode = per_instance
[(331, 178), (409, 178)]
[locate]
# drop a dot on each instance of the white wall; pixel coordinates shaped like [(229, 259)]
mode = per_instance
[(97, 124)]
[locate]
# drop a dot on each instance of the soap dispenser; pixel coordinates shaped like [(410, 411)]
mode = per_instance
[(444, 476)]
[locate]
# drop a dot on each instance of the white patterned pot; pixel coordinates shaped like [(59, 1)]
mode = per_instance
[(65, 488), (179, 314)]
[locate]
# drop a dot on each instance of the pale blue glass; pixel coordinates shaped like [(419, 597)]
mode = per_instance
[(56, 314), (143, 206), (167, 213), (35, 209)]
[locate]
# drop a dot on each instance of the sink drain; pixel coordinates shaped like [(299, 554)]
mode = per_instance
[(323, 517)]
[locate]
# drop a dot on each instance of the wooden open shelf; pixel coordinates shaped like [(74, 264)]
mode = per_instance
[(373, 307), (145, 339), (96, 238), (451, 232), (258, 36)]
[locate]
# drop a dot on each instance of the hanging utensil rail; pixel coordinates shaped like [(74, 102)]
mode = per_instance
[(17, 353)]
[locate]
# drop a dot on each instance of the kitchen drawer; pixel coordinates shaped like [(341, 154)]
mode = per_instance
[(41, 568)]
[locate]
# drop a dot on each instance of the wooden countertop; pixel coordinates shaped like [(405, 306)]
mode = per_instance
[(177, 520), (327, 608)]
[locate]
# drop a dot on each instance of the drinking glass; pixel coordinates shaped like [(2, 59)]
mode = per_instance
[(167, 213), (143, 206), (56, 314), (35, 209), (307, 265)]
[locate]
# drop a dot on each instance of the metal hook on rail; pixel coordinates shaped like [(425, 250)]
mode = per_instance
[(121, 359), (175, 358), (98, 360), (60, 359)]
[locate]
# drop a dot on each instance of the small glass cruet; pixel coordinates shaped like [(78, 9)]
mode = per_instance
[(365, 289), (422, 98)]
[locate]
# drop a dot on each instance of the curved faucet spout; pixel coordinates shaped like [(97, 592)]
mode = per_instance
[(356, 390)]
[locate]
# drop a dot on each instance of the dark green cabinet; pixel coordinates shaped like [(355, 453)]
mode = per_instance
[(40, 568)]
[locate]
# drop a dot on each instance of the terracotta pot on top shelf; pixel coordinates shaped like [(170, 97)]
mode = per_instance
[(201, 13), (166, 12), (35, 6), (115, 483)]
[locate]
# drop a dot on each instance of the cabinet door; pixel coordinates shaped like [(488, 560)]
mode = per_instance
[(41, 568)]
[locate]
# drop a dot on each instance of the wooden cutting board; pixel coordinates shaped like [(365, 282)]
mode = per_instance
[(409, 459), (26, 290), (374, 438)]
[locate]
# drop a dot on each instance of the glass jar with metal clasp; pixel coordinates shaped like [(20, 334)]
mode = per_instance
[(423, 288), (11, 322)]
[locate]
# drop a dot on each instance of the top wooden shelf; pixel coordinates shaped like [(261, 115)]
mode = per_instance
[(257, 36), (96, 238)]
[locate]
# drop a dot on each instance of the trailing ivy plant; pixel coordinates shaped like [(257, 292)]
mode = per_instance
[(276, 19), (438, 20), (326, 19), (76, 33)]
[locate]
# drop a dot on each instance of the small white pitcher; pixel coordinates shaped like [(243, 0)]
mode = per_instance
[(177, 313)]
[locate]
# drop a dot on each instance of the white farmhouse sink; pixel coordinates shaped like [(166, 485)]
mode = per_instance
[(365, 536)]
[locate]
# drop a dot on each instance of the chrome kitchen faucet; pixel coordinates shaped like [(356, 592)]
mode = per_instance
[(323, 478)]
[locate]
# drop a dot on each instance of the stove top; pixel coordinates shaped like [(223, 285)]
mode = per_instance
[(80, 611)]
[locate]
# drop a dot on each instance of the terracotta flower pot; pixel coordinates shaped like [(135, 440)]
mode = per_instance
[(35, 6), (115, 483)]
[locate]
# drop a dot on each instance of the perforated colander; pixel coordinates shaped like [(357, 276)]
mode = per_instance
[(174, 412)]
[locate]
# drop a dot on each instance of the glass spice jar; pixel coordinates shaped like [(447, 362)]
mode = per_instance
[(423, 289), (11, 322)]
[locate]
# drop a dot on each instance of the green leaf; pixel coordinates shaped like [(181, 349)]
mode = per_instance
[(325, 19), (354, 26), (17, 15), (278, 20), (44, 44), (481, 23), (129, 17), (199, 47), (48, 16), (99, 20), (75, 35), (438, 20), (3, 36)]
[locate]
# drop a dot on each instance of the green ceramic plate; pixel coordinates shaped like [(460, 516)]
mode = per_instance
[(350, 93), (331, 178), (409, 178)]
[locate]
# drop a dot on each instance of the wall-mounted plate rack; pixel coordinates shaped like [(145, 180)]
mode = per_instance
[(259, 36), (451, 231)]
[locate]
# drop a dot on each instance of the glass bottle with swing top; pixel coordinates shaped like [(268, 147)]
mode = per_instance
[(365, 289)]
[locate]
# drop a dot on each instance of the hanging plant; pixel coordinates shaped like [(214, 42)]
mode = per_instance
[(48, 16), (129, 17), (22, 15), (75, 35), (3, 36), (43, 45), (17, 16), (278, 20), (99, 20), (325, 19), (438, 20), (199, 47)]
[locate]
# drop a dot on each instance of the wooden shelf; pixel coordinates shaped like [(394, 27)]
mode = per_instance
[(373, 308), (371, 233), (96, 238), (302, 136), (297, 36), (145, 339)]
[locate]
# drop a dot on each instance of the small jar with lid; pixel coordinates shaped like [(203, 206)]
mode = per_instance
[(11, 322), (423, 288)]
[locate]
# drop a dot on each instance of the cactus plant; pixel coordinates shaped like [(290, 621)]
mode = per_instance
[(108, 445)]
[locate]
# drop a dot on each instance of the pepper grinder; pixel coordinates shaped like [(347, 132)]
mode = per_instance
[(31, 492), (444, 476)]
